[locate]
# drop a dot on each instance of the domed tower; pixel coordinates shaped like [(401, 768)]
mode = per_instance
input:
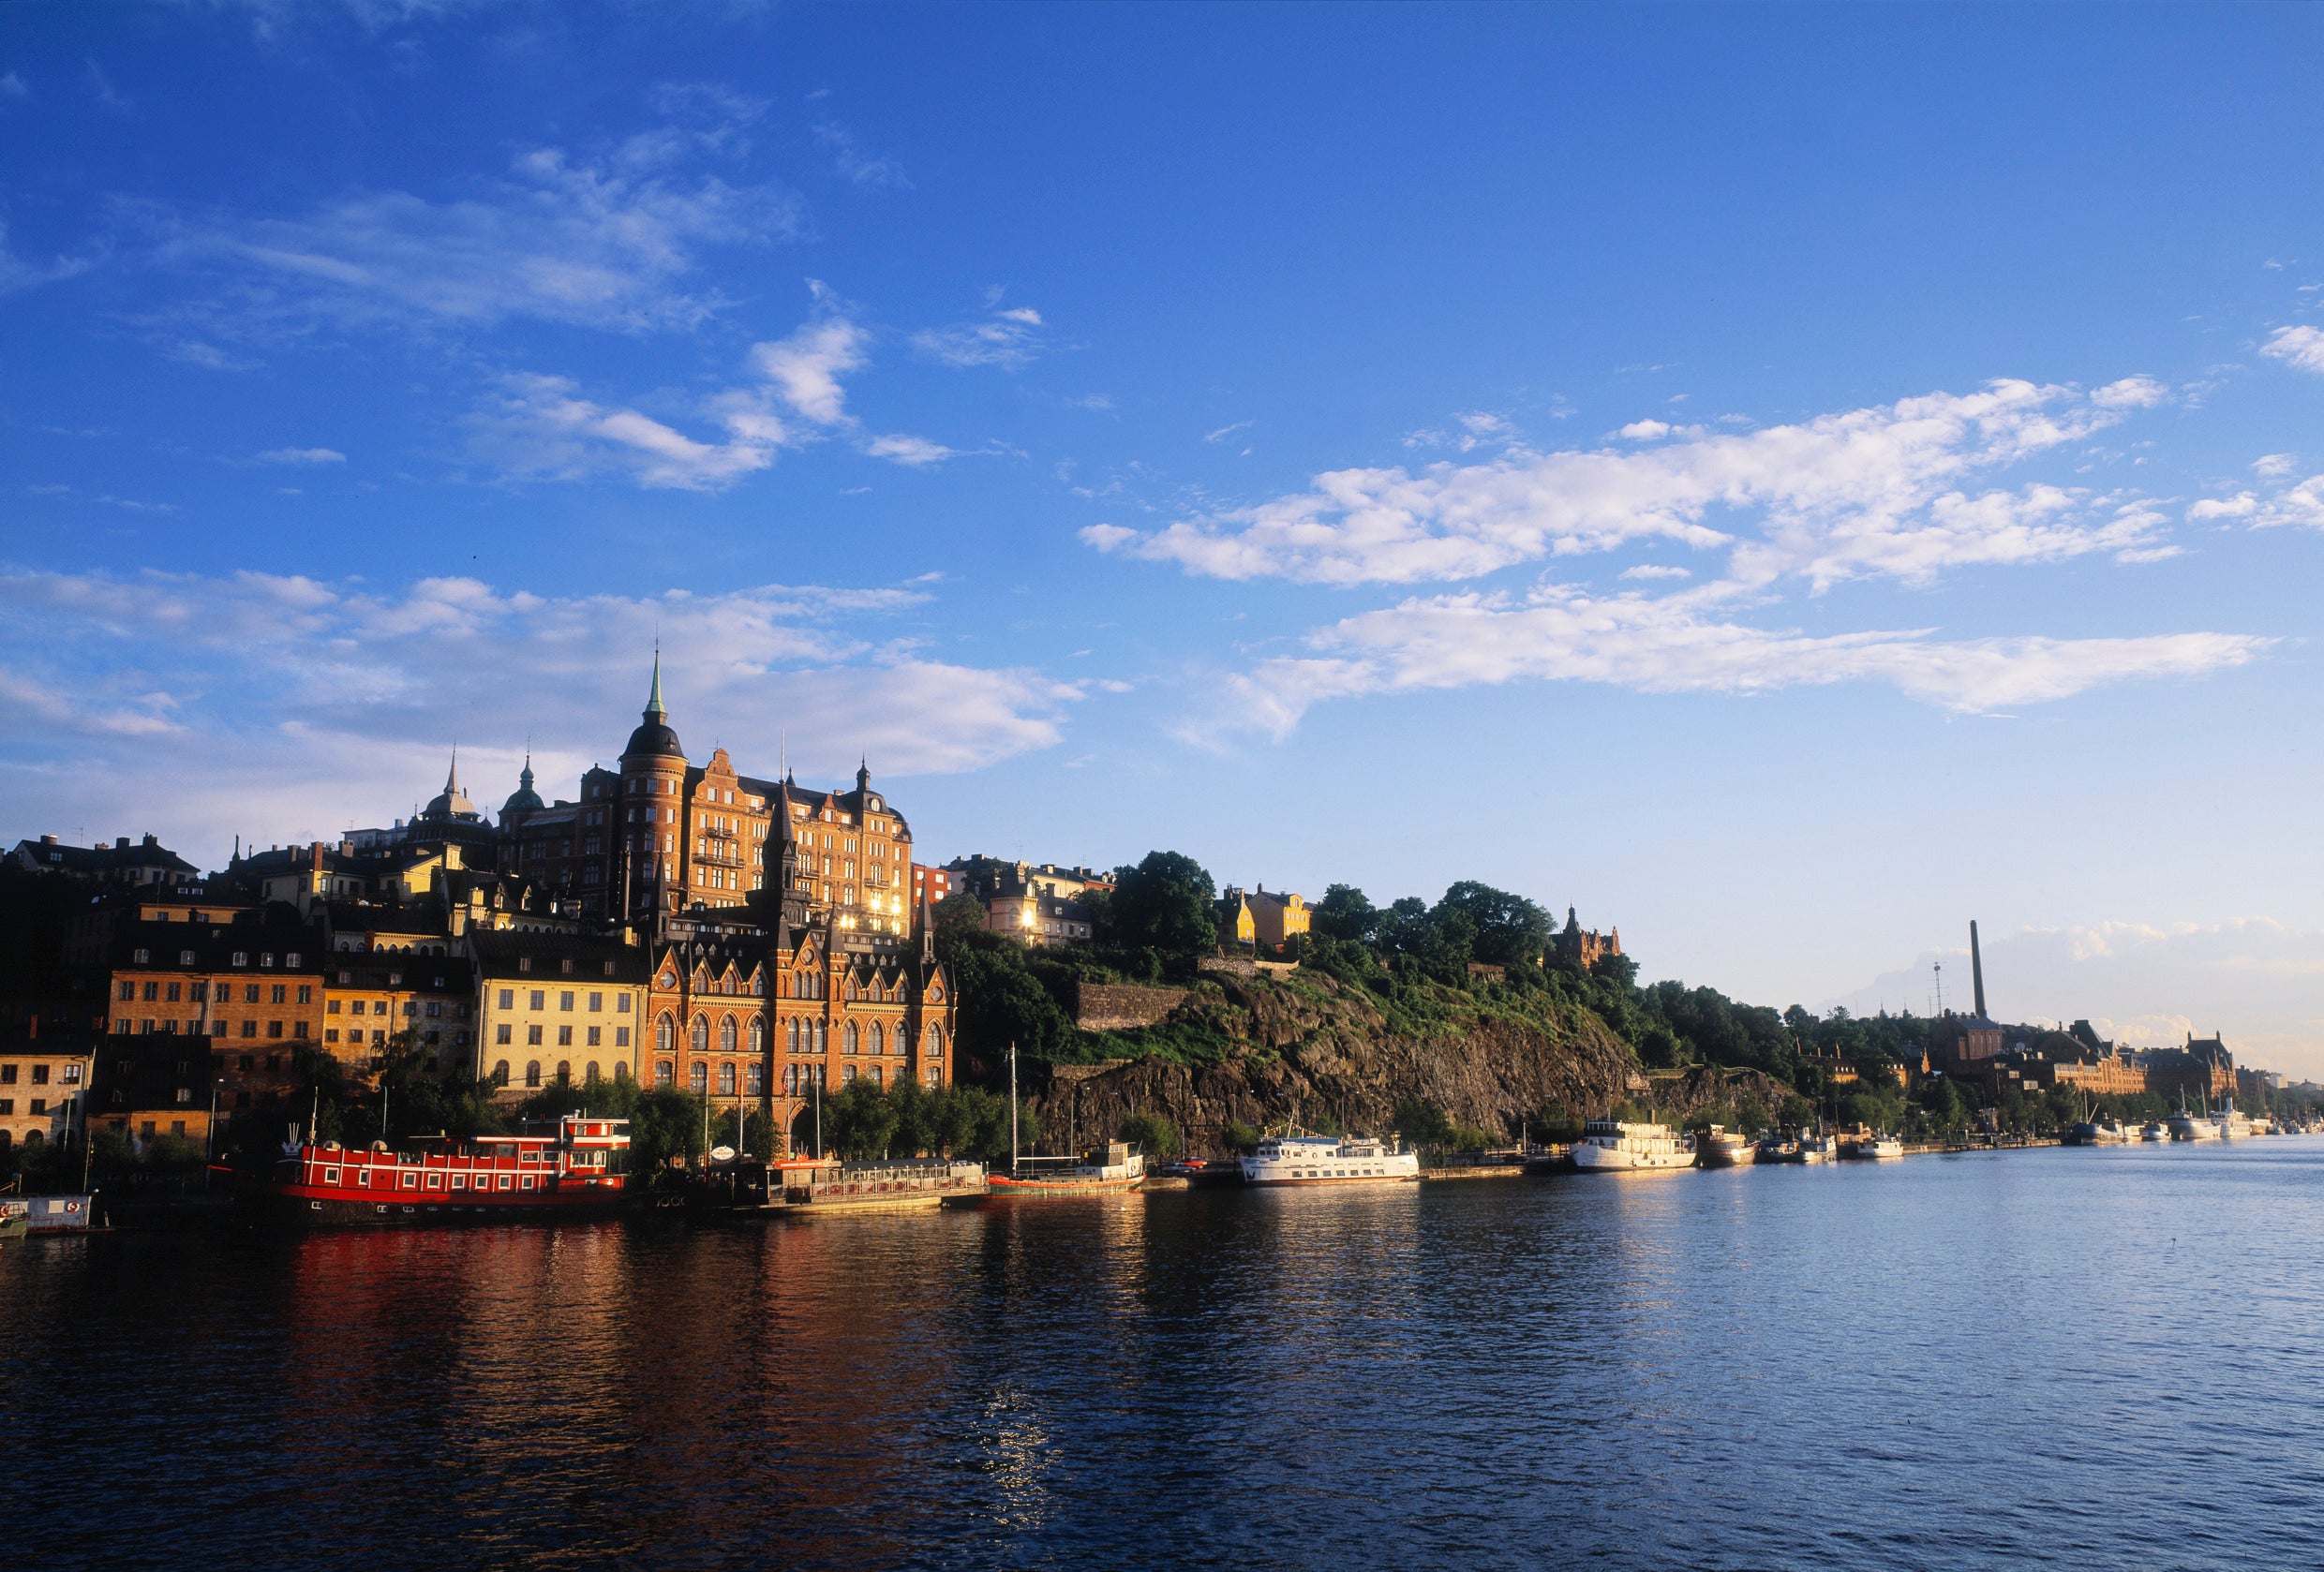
[(524, 799), (653, 803)]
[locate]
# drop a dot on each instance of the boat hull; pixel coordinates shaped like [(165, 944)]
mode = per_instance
[(291, 1208), (1003, 1185), (1335, 1179), (1599, 1160)]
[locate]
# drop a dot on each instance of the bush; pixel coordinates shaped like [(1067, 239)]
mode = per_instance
[(1238, 1137), (1153, 1134)]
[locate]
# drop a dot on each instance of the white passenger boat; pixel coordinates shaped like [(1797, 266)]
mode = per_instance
[(1298, 1159), (2232, 1123), (2154, 1129), (1814, 1149), (1881, 1147), (1610, 1146), (2186, 1126)]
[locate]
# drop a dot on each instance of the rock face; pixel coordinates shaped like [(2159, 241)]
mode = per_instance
[(1307, 1048), (1116, 1006)]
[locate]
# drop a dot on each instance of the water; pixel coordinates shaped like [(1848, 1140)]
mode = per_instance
[(2077, 1358)]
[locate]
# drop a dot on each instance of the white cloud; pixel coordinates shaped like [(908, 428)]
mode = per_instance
[(1226, 431), (806, 367), (2273, 467), (2299, 347), (1674, 643), (2301, 504), (606, 241), (1656, 571), (1875, 492), (1645, 431), (1009, 339), (294, 706), (541, 428), (301, 455), (915, 452), (12, 86)]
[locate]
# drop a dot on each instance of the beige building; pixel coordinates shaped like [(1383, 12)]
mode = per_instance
[(40, 1093), (552, 1007), (1276, 916)]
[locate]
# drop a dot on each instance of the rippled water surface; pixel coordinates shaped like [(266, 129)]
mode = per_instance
[(2079, 1358)]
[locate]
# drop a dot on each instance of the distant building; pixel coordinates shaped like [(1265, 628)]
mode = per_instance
[(1039, 903), (145, 862), (1578, 946), (376, 1004), (1959, 1044), (1261, 916)]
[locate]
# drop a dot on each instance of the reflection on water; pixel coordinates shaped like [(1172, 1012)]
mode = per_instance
[(2087, 1357)]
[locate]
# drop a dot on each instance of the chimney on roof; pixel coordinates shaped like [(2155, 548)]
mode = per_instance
[(48, 840), (1976, 969), (121, 843)]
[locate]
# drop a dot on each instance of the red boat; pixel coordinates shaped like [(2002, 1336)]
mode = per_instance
[(583, 1169)]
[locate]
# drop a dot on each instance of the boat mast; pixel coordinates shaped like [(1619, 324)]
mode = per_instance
[(1012, 1106)]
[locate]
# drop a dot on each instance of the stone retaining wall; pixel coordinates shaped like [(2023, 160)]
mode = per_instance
[(1118, 1006)]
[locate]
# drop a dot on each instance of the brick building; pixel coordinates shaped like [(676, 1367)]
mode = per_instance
[(1575, 945)]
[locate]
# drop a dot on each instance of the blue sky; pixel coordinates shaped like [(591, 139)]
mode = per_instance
[(1783, 481)]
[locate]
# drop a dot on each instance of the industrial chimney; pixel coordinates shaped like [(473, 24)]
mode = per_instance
[(1976, 968)]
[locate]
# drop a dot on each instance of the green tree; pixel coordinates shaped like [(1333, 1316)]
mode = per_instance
[(1165, 902), (1508, 929), (1345, 913), (859, 1123)]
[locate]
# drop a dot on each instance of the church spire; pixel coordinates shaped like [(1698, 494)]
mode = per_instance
[(452, 776), (655, 708)]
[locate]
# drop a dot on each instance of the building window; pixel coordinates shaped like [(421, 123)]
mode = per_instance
[(533, 1071), (564, 1037), (597, 1003), (754, 1079), (879, 1038), (702, 1034), (564, 1073), (273, 1029), (540, 998), (935, 1041), (847, 1075), (726, 1035), (595, 1032), (621, 1036), (726, 1080), (700, 1078), (507, 999), (620, 1002), (564, 1001), (662, 1074), (532, 1036), (501, 1034), (665, 1035), (847, 1038), (758, 1035)]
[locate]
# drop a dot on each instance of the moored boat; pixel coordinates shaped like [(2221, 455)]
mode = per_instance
[(1111, 1166), (804, 1185), (581, 1170), (1615, 1146), (1302, 1159), (2186, 1126), (2154, 1129), (1721, 1148), (1879, 1148)]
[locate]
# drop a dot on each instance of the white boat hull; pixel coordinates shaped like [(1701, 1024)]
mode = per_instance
[(1607, 1161)]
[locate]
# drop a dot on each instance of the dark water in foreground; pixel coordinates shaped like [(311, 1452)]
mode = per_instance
[(2100, 1358)]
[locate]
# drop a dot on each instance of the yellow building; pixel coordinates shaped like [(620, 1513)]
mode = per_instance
[(550, 1007), (1277, 916), (370, 1000)]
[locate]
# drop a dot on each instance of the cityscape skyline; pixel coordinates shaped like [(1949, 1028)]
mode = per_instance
[(1726, 478)]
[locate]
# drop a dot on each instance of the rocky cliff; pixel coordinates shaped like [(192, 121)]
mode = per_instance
[(1305, 1047)]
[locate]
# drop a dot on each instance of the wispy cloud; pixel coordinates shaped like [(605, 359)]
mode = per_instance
[(1885, 491), (1677, 644), (18, 274), (1010, 339), (870, 171), (608, 240), (297, 704), (542, 427), (2299, 347), (301, 455)]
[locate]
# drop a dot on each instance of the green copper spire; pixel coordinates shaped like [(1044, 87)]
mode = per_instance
[(654, 706)]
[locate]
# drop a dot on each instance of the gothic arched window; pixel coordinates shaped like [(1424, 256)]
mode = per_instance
[(847, 1038), (665, 1035), (726, 1035), (702, 1034)]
